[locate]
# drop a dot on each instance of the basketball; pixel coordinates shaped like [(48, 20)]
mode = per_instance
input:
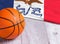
[(11, 23)]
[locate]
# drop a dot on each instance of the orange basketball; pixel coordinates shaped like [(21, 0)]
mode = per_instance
[(11, 23)]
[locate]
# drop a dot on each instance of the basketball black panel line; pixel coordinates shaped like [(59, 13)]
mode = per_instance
[(14, 30), (19, 18), (9, 26), (10, 21), (14, 16), (17, 23)]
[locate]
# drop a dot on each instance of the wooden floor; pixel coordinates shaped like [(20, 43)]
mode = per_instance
[(34, 33), (53, 31)]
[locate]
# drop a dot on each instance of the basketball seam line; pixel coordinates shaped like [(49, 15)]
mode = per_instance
[(14, 29), (16, 21), (8, 20), (11, 26)]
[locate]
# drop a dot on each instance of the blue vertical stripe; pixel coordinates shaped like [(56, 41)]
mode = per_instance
[(6, 4)]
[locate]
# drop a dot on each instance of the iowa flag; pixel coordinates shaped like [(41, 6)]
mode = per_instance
[(47, 10)]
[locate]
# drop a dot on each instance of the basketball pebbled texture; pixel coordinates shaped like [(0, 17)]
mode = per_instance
[(11, 23)]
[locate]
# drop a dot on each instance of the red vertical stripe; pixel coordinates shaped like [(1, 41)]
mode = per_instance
[(52, 11)]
